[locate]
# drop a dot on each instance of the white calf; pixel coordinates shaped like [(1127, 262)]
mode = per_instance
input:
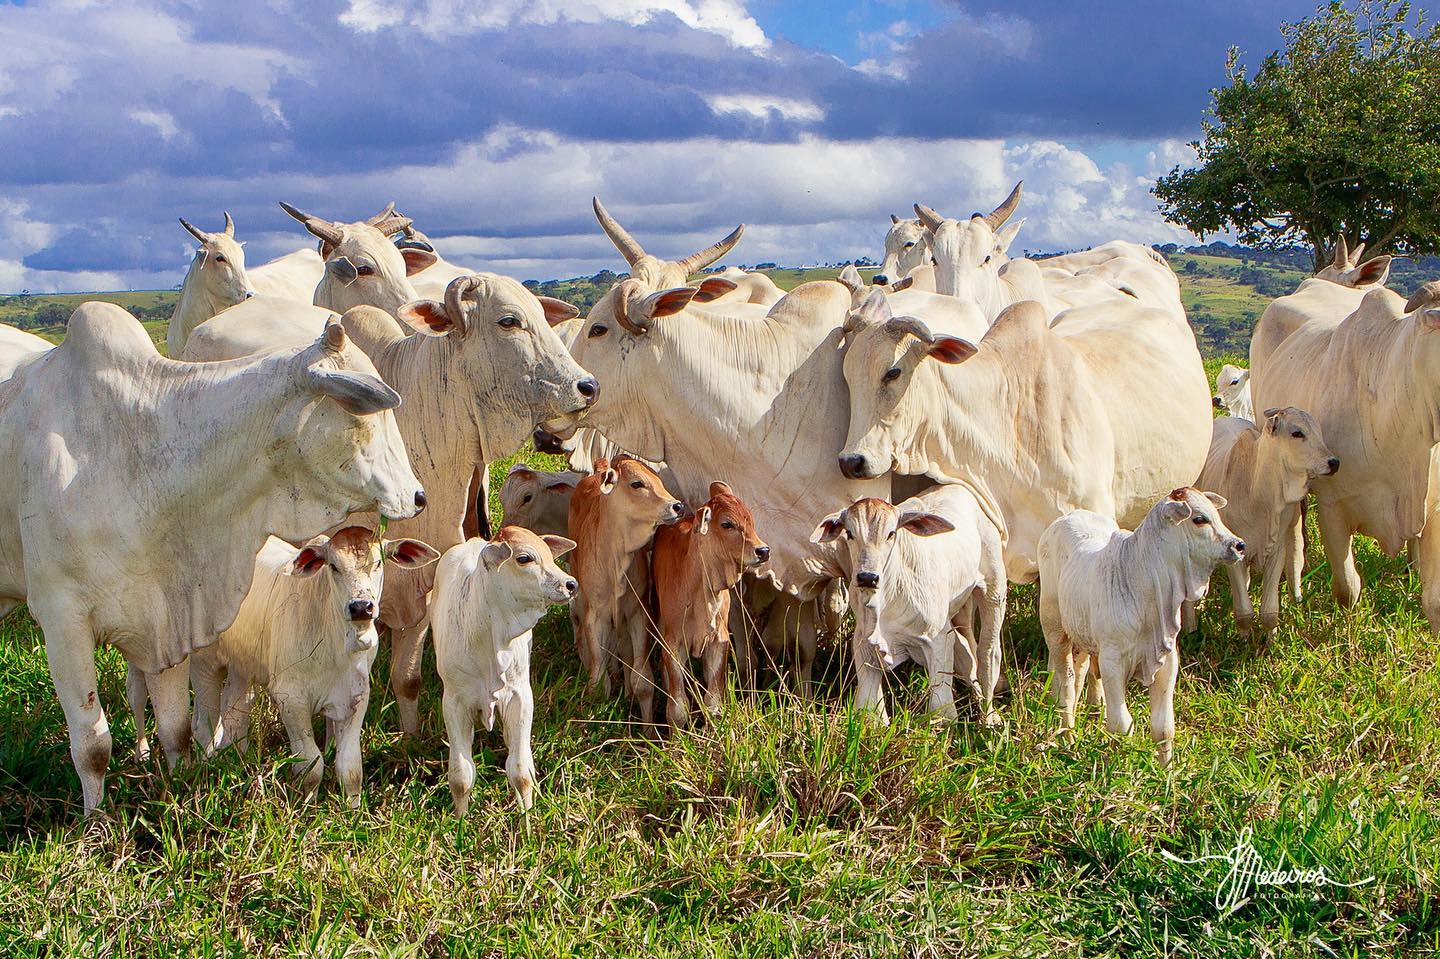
[(538, 500), (1232, 392), (487, 598), (310, 640), (1116, 595), (1264, 472), (915, 572)]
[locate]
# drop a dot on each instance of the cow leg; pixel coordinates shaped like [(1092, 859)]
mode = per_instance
[(941, 669), (965, 668), (992, 619), (1112, 677), (1344, 578), (138, 698), (1429, 570), (1189, 622), (170, 695), (1162, 707), (237, 698), (869, 677), (70, 654), (407, 653), (805, 646), (673, 666), (517, 714), (1239, 576), (208, 678), (299, 726), (349, 767), (460, 730)]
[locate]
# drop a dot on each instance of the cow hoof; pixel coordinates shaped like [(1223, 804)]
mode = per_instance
[(1244, 626), (1268, 623), (525, 792), (992, 720)]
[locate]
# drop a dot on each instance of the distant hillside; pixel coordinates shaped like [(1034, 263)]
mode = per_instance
[(1225, 288)]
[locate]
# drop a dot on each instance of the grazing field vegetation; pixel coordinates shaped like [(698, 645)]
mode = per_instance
[(782, 826)]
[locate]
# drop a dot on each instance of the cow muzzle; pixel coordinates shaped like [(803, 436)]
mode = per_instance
[(1332, 466), (1217, 402), (361, 611), (855, 466), (547, 442)]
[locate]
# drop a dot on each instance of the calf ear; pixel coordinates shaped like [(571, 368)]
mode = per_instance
[(1175, 511), (426, 316), (712, 288), (704, 518), (608, 479), (417, 260), (561, 486), (559, 545), (358, 393), (520, 468), (719, 488), (951, 349), (307, 562), (829, 528), (924, 524), (1219, 501), (1244, 376), (557, 311), (1272, 419), (409, 553), (494, 554)]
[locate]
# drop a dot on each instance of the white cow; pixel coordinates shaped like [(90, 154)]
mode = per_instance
[(948, 314), (1370, 381), (488, 597), (484, 371), (432, 281), (292, 276), (1039, 420), (538, 500), (1329, 296), (215, 281), (907, 255), (17, 346), (1264, 472), (135, 492), (306, 633), (916, 571), (1232, 392), (1116, 595), (755, 288)]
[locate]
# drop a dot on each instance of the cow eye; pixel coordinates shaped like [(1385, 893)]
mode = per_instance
[(509, 322), (364, 269), (934, 262), (727, 525), (219, 258), (599, 329), (984, 261), (1298, 435), (891, 375), (910, 244), (524, 558), (636, 484), (528, 498), (1201, 520)]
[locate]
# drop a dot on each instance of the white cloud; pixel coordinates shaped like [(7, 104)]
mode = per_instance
[(764, 107), (163, 122)]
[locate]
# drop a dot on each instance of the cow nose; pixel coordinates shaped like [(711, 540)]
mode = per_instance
[(852, 465), (362, 610), (249, 294), (762, 553), (1334, 464), (1217, 402), (589, 388), (419, 499), (867, 580), (547, 442), (677, 507), (879, 279), (1239, 547), (570, 586)]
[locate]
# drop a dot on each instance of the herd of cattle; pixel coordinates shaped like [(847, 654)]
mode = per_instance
[(746, 466)]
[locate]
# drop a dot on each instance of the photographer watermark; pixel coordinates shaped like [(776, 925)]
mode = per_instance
[(1249, 872)]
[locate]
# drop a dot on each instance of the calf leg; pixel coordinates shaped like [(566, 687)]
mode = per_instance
[(672, 664), (1062, 660), (1294, 543), (805, 647), (1162, 707), (460, 731), (1239, 576), (746, 663), (640, 678), (712, 666), (349, 767), (299, 727), (1189, 622), (170, 694), (1095, 690), (1344, 578), (1429, 569), (992, 619), (1112, 677), (236, 700), (407, 652), (70, 654), (517, 714), (208, 678), (869, 677), (138, 698), (941, 668)]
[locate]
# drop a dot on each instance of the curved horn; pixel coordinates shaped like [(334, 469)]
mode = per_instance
[(1357, 253), (1342, 252), (195, 231), (229, 224), (623, 241), (1429, 293), (383, 215), (929, 217), (1002, 212), (455, 294), (392, 224), (698, 261), (323, 229)]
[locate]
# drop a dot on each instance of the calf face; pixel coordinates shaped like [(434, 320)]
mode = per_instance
[(1300, 442), (635, 493), (1230, 383), (353, 561), (522, 566), (1194, 521), (727, 531), (537, 500), (870, 528)]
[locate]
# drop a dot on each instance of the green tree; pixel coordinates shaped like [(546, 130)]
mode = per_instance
[(1338, 132)]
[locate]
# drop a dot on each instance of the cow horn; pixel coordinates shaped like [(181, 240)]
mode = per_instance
[(929, 217), (455, 294), (1002, 212), (229, 224), (623, 241), (908, 325), (325, 230), (698, 261), (1427, 294), (1357, 253), (1342, 252), (195, 231), (383, 215), (392, 224)]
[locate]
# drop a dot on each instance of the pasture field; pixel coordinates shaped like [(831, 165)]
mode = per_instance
[(783, 827)]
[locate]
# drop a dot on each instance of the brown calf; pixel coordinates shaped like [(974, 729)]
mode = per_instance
[(696, 562)]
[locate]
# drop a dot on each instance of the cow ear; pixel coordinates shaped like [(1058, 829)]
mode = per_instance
[(307, 562), (360, 394), (713, 288), (829, 528), (664, 303), (520, 468), (559, 545), (561, 486), (417, 260), (704, 519), (1430, 319), (1244, 377), (1175, 511), (1217, 500), (1006, 236), (951, 349), (1373, 270), (494, 554), (850, 277), (1272, 419), (409, 553), (426, 316), (924, 524), (557, 311), (719, 488), (608, 479)]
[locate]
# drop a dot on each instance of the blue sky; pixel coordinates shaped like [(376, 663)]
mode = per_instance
[(492, 123)]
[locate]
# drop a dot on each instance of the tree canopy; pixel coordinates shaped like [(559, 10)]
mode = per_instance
[(1339, 132)]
